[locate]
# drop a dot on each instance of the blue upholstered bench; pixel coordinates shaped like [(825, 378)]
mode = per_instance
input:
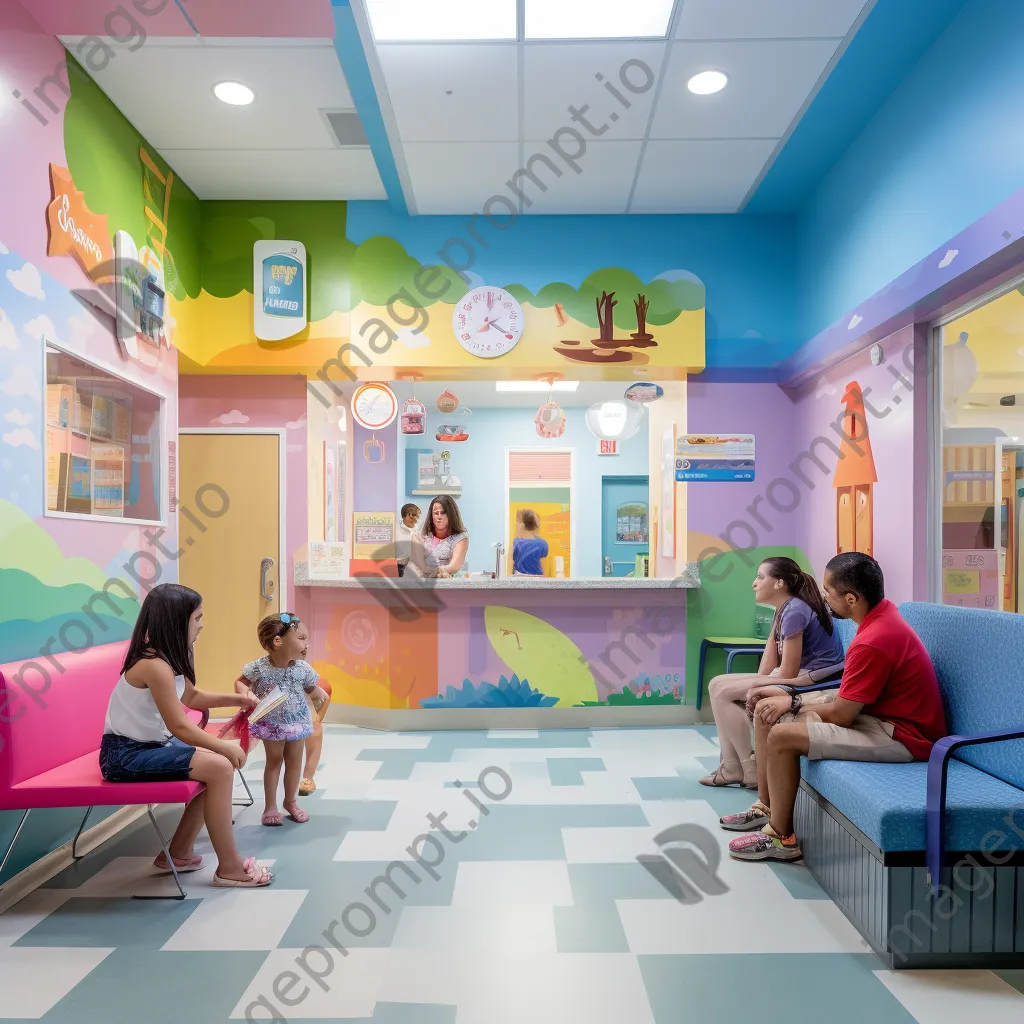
[(927, 860)]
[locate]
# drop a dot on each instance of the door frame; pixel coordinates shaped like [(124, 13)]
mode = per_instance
[(572, 499), (282, 489), (625, 478)]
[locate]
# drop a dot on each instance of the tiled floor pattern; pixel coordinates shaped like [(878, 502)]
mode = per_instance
[(525, 901)]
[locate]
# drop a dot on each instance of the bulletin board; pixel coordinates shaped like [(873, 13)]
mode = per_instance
[(553, 508)]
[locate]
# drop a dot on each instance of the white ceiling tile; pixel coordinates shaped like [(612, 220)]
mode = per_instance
[(768, 84), (277, 174), (166, 92), (459, 177), (602, 186), (558, 76), (698, 177), (766, 19), (483, 105)]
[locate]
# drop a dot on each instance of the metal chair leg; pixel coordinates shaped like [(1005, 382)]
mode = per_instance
[(10, 845), (74, 842), (170, 862), (248, 792)]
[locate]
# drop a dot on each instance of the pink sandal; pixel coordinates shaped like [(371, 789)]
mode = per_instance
[(259, 876), (272, 818), (297, 815)]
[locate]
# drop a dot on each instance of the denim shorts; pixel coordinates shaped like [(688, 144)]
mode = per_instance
[(126, 760)]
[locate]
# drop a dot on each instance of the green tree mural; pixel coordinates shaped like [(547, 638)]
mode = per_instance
[(102, 149)]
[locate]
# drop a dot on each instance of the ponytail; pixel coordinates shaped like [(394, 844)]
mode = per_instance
[(799, 584)]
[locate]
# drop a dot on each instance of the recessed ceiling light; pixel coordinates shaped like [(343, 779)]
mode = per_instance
[(598, 19), (535, 385), (707, 83), (234, 93), (423, 21)]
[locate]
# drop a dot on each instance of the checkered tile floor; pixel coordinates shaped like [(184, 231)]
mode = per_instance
[(527, 903)]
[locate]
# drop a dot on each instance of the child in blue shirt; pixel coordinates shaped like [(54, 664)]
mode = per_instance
[(527, 548)]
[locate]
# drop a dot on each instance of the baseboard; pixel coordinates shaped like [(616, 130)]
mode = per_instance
[(418, 719), (18, 886)]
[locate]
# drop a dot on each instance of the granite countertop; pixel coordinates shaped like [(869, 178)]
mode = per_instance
[(689, 580)]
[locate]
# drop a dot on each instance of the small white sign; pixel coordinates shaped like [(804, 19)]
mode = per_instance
[(279, 289), (607, 446), (327, 561)]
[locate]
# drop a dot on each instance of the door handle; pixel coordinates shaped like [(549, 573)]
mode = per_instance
[(265, 566), (608, 570)]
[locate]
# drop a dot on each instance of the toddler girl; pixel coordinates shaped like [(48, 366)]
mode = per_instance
[(284, 730)]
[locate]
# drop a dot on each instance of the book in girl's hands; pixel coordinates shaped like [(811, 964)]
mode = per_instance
[(271, 702)]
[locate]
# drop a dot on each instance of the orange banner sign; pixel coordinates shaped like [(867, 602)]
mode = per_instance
[(74, 229)]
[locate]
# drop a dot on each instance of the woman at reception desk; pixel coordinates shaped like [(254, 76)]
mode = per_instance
[(439, 550)]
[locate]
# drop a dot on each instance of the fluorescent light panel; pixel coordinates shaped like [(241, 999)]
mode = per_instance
[(598, 19), (535, 385), (425, 21)]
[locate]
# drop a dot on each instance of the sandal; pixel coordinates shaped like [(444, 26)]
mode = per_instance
[(272, 818), (181, 865), (297, 815), (746, 821), (259, 876), (717, 778), (306, 786)]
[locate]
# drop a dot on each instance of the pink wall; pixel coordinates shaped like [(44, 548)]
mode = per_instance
[(890, 390), (231, 402)]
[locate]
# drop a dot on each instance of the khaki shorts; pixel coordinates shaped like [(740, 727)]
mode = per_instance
[(867, 739)]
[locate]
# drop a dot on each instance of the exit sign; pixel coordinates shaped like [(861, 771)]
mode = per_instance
[(607, 447)]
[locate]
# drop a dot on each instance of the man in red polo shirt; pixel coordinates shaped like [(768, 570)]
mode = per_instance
[(888, 708)]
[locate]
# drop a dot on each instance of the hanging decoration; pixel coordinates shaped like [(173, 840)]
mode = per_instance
[(452, 432), (414, 416), (374, 405), (644, 392), (614, 420), (374, 450), (550, 418), (447, 402)]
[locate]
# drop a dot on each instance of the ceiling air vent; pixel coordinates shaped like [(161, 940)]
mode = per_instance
[(346, 127)]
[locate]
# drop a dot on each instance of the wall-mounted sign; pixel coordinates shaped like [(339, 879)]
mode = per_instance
[(74, 229), (715, 457), (279, 289), (607, 446), (373, 535)]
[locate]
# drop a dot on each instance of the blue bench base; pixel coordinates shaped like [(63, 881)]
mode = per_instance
[(978, 921)]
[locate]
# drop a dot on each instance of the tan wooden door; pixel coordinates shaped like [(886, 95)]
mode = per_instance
[(224, 563)]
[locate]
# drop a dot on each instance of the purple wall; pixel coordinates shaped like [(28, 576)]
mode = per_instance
[(375, 484)]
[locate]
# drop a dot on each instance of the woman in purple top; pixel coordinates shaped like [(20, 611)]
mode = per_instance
[(802, 641)]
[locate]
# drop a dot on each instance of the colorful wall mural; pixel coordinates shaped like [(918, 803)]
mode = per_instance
[(447, 648)]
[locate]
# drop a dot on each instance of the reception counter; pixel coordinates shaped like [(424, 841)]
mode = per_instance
[(519, 651)]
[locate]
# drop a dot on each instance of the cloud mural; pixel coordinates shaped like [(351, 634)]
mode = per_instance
[(18, 417), (22, 383), (8, 335), (40, 327), (226, 419), (20, 436), (28, 281)]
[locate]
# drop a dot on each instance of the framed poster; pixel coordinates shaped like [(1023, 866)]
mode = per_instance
[(330, 495), (373, 536), (340, 515), (327, 561), (667, 540), (715, 457)]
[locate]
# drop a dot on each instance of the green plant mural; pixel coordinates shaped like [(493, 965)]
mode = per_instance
[(668, 296), (102, 149)]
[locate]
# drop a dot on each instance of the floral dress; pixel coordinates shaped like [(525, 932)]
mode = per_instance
[(292, 720)]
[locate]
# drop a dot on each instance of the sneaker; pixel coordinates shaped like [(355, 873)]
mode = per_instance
[(765, 845), (746, 821)]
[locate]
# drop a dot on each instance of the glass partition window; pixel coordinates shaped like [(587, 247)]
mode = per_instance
[(981, 466), (102, 444)]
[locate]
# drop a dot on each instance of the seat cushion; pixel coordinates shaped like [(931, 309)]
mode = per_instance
[(887, 803), (79, 783)]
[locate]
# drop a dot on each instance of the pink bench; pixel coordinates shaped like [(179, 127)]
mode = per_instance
[(51, 723)]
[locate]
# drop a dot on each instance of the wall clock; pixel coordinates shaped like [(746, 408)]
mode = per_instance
[(488, 322), (374, 405)]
